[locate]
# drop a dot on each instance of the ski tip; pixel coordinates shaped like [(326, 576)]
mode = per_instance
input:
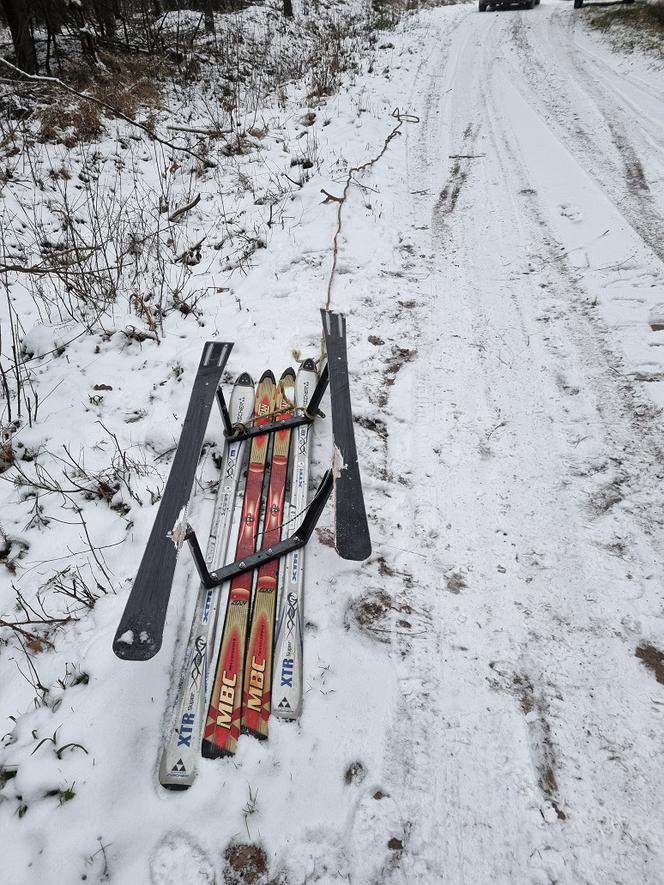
[(309, 365), (268, 375), (355, 552), (215, 354), (354, 542), (245, 380), (288, 374)]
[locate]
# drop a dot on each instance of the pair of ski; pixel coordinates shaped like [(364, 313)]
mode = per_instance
[(139, 634), (241, 695)]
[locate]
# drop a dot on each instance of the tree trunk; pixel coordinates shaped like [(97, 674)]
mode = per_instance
[(106, 17), (209, 17), (18, 19), (86, 36)]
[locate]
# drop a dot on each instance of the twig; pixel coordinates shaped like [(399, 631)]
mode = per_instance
[(34, 637), (16, 625), (497, 427), (213, 133), (178, 212), (96, 558), (292, 180), (55, 81), (330, 198), (190, 250)]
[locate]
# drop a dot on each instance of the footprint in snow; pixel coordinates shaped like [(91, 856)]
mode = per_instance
[(376, 821), (572, 212), (178, 860)]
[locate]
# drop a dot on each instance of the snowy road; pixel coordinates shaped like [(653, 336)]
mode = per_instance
[(527, 734), (478, 707)]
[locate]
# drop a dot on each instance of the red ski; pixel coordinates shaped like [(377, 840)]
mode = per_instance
[(225, 711), (258, 670)]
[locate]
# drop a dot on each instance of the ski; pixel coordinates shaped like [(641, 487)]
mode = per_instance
[(352, 539), (177, 769), (287, 679), (222, 727), (258, 670), (139, 635)]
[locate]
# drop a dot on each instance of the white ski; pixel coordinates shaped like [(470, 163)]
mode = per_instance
[(182, 748), (287, 671)]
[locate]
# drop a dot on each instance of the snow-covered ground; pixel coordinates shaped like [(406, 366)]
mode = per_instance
[(485, 696)]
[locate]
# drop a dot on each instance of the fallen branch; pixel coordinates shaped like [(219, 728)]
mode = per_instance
[(212, 133), (65, 267), (179, 212)]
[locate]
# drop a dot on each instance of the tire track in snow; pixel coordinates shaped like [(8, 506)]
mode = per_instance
[(460, 818), (620, 414), (581, 108)]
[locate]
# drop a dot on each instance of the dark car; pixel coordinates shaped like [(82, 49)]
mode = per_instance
[(494, 4)]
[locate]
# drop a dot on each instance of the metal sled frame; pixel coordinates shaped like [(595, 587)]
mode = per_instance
[(309, 415), (283, 548), (314, 510)]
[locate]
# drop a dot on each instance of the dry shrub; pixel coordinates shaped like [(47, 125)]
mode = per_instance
[(126, 83), (246, 864), (656, 11), (7, 456), (643, 24), (129, 82), (70, 125)]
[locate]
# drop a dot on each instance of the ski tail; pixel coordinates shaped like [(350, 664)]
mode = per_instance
[(139, 634), (222, 728), (352, 540), (179, 759), (288, 661), (258, 671)]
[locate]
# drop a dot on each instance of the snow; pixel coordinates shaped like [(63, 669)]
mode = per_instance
[(475, 710)]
